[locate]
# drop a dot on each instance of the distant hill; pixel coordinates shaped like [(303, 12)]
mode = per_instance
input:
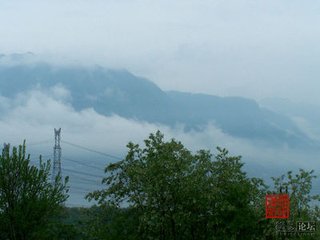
[(122, 93), (306, 115)]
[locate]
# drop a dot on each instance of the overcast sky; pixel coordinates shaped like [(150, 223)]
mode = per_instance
[(33, 115), (253, 48)]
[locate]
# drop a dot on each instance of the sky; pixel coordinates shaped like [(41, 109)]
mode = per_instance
[(34, 114), (253, 48)]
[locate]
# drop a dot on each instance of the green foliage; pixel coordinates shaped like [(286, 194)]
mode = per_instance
[(180, 195), (299, 188), (303, 205), (28, 201), (111, 223)]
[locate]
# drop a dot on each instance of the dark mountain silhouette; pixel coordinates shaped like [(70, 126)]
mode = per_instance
[(122, 93)]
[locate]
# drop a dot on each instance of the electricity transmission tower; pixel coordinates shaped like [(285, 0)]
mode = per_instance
[(56, 170)]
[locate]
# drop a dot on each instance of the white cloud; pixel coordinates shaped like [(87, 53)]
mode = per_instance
[(34, 115), (60, 93), (308, 128), (237, 47)]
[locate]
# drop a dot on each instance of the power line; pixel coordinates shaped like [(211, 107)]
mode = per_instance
[(82, 173), (81, 163), (87, 180), (84, 181), (39, 143), (81, 189), (43, 157), (37, 161), (92, 150)]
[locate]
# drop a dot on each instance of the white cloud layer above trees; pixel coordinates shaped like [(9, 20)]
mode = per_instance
[(33, 116)]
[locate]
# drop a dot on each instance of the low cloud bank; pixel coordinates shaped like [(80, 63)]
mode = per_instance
[(33, 116)]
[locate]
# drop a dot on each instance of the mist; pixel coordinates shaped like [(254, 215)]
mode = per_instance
[(246, 48), (33, 115), (253, 49)]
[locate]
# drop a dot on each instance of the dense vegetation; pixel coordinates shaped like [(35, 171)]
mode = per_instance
[(29, 204), (159, 191)]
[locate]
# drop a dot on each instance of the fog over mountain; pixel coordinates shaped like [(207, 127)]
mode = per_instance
[(238, 74), (255, 49), (118, 92), (304, 115), (103, 109)]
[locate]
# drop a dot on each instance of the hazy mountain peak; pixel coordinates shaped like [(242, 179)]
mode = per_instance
[(120, 92)]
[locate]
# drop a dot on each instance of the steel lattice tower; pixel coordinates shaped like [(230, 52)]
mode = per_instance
[(56, 170)]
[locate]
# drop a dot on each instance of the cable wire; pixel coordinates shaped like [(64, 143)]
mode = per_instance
[(92, 150), (81, 163), (81, 173), (39, 143)]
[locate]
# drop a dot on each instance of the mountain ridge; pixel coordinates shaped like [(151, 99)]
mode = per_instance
[(120, 92)]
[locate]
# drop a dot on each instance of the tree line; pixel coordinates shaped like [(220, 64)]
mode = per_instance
[(159, 191)]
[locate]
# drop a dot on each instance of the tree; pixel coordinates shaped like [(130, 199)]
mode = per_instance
[(109, 223), (299, 188), (28, 200), (180, 195), (238, 199), (303, 204)]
